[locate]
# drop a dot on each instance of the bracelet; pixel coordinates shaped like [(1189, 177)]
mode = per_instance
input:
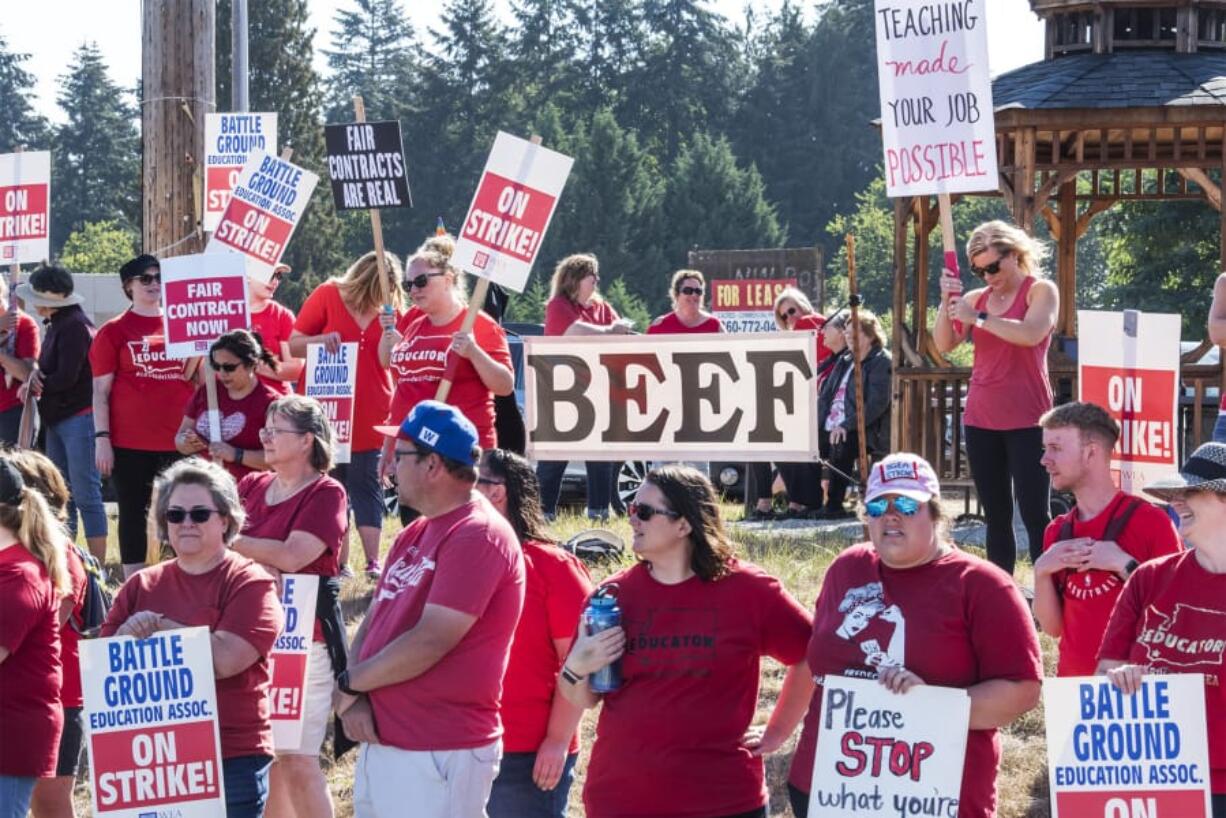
[(101, 434), (570, 676), (342, 682), (238, 457)]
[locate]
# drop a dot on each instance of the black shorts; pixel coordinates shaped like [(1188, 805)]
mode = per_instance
[(70, 743)]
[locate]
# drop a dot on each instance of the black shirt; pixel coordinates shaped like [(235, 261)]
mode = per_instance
[(68, 381)]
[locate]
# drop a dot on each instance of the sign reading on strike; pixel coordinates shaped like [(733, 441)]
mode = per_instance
[(331, 379), (204, 296), (269, 199), (937, 124), (367, 166), (511, 210), (25, 207), (747, 305), (1114, 755), (229, 140), (150, 712), (888, 754), (288, 659)]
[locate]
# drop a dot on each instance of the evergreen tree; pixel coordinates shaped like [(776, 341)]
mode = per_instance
[(373, 54), (542, 46), (609, 51), (20, 125)]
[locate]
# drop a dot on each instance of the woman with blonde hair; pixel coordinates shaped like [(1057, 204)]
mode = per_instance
[(687, 290), (347, 310), (1010, 320)]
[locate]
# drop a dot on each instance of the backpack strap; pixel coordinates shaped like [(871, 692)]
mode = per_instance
[(1066, 528), (1117, 523)]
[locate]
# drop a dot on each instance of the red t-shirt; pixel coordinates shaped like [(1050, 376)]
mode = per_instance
[(30, 677), (955, 622), (239, 597), (241, 420), (468, 560), (670, 324), (70, 651), (815, 322), (419, 360), (274, 323), (325, 311), (26, 345), (1088, 597), (1172, 617), (561, 312), (131, 348), (668, 742), (555, 592)]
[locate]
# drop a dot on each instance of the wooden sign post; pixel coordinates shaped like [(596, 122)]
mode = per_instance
[(854, 300), (376, 224)]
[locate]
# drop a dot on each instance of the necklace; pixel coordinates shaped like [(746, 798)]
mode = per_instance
[(275, 494)]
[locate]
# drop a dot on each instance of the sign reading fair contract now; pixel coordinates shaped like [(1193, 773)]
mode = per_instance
[(666, 397), (511, 211), (25, 207), (229, 140), (204, 296), (288, 660), (331, 379), (150, 711)]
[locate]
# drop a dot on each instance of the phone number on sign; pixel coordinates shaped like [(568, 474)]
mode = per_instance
[(747, 322)]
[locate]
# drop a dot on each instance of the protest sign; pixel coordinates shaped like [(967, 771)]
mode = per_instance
[(287, 663), (746, 305), (204, 296), (229, 140), (511, 211), (331, 379), (888, 754), (150, 712), (672, 397), (268, 201), (1121, 756), (25, 207), (366, 165), (1128, 363)]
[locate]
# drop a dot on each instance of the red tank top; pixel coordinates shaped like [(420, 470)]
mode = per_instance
[(1009, 386)]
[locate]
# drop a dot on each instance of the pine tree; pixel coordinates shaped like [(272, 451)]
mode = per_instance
[(542, 45), (373, 54), (609, 51), (20, 125)]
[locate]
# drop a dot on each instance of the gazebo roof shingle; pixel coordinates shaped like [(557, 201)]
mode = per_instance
[(1124, 79)]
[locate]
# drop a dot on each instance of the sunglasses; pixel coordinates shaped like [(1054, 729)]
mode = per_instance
[(226, 368), (691, 290), (991, 269), (421, 280), (149, 278), (198, 515), (645, 512), (788, 313), (276, 277), (905, 506)]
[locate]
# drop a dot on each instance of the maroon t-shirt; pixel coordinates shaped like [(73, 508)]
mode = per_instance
[(561, 312), (670, 324), (241, 419), (70, 639)]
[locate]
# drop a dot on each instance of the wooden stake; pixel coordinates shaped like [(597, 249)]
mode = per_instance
[(376, 222), (948, 242), (855, 357)]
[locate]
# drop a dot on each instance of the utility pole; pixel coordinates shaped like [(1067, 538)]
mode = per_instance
[(238, 56)]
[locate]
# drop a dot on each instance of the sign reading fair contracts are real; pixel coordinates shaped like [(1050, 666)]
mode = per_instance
[(229, 140), (1111, 755), (268, 201), (937, 122), (331, 379), (204, 297), (25, 207), (887, 754), (150, 711), (366, 165), (288, 660), (511, 211)]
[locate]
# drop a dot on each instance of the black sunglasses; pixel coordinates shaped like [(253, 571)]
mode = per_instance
[(990, 269), (149, 278), (277, 276), (691, 291), (788, 313), (421, 280), (645, 512), (227, 368), (198, 514)]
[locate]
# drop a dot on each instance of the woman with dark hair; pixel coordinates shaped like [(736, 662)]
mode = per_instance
[(540, 740), (242, 403), (675, 738)]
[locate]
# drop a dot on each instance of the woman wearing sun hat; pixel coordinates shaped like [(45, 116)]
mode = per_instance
[(1147, 634)]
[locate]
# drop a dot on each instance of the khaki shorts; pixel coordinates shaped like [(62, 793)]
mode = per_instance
[(391, 783)]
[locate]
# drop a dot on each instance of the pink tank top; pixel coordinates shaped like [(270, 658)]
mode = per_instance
[(1009, 386)]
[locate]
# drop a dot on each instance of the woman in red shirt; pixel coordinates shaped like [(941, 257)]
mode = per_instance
[(540, 741), (242, 402), (33, 580), (675, 738), (274, 323), (209, 585), (687, 315), (346, 310), (137, 390), (296, 524)]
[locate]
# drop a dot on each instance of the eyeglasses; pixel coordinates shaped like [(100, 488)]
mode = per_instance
[(489, 481), (906, 506), (276, 277), (227, 368), (645, 512), (788, 313), (990, 269), (421, 280), (198, 514), (270, 432), (149, 278), (418, 454), (691, 290)]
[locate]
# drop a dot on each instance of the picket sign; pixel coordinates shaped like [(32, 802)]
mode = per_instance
[(376, 224), (229, 141), (25, 207), (331, 378), (288, 666)]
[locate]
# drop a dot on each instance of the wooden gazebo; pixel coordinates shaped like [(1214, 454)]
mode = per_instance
[(1129, 104)]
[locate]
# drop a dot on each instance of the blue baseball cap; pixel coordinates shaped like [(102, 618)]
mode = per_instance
[(440, 428)]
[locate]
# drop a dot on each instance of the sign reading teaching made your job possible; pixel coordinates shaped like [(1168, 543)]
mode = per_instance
[(331, 379), (511, 210), (937, 122), (204, 297), (1114, 755), (25, 207), (366, 165), (150, 711), (229, 140), (288, 660)]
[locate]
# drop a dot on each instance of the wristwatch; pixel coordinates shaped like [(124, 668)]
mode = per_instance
[(1129, 567), (570, 676), (342, 682), (238, 457), (981, 319)]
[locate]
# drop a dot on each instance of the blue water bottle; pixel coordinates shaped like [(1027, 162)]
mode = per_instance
[(603, 613)]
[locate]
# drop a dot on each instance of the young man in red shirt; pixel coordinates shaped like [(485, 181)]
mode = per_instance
[(424, 691), (1089, 552)]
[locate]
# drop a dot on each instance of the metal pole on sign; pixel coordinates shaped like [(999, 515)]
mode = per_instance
[(238, 56)]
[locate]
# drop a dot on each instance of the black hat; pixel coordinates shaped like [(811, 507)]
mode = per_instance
[(11, 483), (1204, 471), (137, 266)]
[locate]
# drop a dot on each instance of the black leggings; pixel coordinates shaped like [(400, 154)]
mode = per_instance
[(803, 482), (133, 479), (1004, 464)]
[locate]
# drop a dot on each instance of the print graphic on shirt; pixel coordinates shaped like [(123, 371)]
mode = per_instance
[(1193, 639), (149, 358), (1090, 584), (876, 626), (406, 572), (420, 358), (672, 642), (231, 425)]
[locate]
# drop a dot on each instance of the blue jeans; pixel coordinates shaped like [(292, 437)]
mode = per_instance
[(1219, 428), (246, 780), (15, 792), (599, 486), (516, 796), (70, 445), (10, 423)]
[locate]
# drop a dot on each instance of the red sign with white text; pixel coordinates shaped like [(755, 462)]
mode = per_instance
[(148, 768), (747, 295), (508, 217), (253, 232), (1140, 400), (25, 207), (205, 296)]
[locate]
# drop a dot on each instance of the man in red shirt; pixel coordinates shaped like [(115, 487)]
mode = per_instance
[(1089, 552), (424, 691)]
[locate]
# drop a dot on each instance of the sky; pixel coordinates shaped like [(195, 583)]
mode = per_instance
[(49, 30)]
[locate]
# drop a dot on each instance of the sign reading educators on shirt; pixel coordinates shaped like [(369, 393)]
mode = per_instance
[(25, 207), (229, 139), (664, 397), (887, 754), (937, 124), (151, 719), (367, 166), (747, 305), (331, 379), (1114, 755), (204, 297), (511, 211), (287, 663)]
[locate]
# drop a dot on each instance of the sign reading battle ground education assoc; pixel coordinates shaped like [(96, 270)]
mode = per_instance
[(151, 719), (25, 207), (937, 122), (229, 139), (511, 211), (331, 379), (367, 166), (288, 660), (746, 306), (204, 297), (1114, 755), (800, 267)]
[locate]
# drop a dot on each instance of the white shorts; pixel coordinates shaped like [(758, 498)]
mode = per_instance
[(437, 784), (317, 704)]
